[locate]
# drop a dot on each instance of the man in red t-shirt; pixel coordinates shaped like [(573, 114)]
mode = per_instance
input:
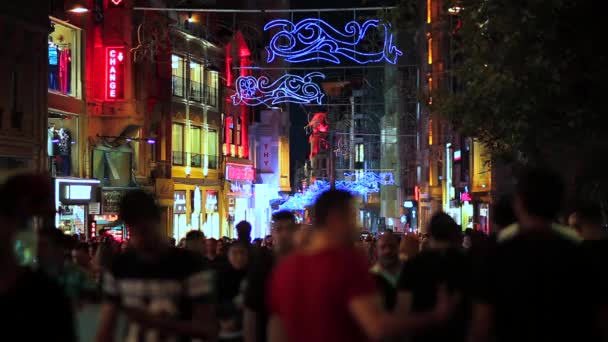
[(326, 293)]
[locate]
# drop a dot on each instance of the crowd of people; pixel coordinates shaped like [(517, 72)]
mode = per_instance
[(533, 280)]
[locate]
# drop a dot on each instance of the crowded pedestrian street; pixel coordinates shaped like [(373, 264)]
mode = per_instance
[(303, 171)]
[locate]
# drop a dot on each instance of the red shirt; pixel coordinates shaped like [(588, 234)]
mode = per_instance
[(311, 295)]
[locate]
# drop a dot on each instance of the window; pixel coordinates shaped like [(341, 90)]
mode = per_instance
[(178, 144), (195, 147), (195, 81), (211, 88), (230, 137), (62, 145), (177, 76), (212, 148), (64, 60), (360, 153)]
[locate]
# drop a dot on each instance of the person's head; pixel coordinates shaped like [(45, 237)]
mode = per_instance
[(172, 242), (219, 247), (195, 242), (80, 255), (538, 196), (238, 255), (443, 231), (268, 241), (141, 214), (334, 212), (387, 248), (243, 231), (409, 247), (92, 250), (258, 242), (51, 247), (589, 221), (22, 197), (503, 213), (283, 230), (211, 247)]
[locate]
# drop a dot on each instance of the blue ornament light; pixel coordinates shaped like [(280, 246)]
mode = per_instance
[(314, 39), (364, 183), (253, 91)]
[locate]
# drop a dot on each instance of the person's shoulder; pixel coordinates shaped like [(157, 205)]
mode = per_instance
[(38, 281)]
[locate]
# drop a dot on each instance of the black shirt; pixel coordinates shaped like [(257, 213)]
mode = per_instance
[(169, 285), (422, 276), (536, 282), (255, 293), (36, 309)]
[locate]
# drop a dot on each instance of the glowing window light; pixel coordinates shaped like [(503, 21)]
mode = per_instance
[(314, 39), (430, 132), (428, 11), (430, 50), (253, 91)]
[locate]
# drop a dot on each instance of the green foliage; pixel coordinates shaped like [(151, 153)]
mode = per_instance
[(532, 77)]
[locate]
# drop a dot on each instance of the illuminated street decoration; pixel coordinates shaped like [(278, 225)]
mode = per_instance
[(366, 182), (314, 39), (372, 180), (115, 73), (317, 140), (253, 91)]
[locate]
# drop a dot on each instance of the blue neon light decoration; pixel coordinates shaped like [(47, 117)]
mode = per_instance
[(291, 88), (314, 39), (363, 183)]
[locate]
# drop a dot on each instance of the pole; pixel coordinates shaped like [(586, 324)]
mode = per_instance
[(351, 145), (228, 10), (332, 161)]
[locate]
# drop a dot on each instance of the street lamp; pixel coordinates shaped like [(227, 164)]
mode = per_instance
[(78, 9)]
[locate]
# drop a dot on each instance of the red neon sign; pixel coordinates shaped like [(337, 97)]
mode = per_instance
[(240, 173), (115, 73), (115, 3)]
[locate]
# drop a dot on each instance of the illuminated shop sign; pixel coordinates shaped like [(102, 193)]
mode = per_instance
[(115, 73), (77, 192), (240, 173)]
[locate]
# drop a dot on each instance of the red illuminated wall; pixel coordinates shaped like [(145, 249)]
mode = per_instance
[(237, 50)]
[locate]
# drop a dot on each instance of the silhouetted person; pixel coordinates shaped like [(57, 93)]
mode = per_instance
[(284, 228), (503, 213), (32, 306), (387, 269), (243, 231), (195, 242), (229, 288), (325, 293), (165, 292), (443, 262), (534, 286)]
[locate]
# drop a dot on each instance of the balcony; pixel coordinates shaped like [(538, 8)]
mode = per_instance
[(177, 86), (196, 94), (210, 96), (180, 158)]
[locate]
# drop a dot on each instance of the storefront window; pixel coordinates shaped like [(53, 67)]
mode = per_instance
[(237, 134), (64, 59), (62, 145), (211, 225)]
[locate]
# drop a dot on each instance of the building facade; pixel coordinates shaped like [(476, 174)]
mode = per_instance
[(23, 85)]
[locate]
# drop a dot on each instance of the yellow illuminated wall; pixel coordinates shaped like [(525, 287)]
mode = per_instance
[(480, 169)]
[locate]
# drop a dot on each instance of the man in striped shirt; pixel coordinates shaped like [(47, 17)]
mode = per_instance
[(164, 292)]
